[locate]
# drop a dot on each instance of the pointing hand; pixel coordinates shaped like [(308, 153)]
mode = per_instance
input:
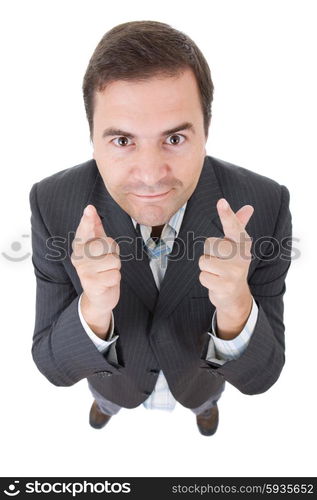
[(96, 259), (225, 264)]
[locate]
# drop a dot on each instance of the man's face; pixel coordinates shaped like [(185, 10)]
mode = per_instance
[(149, 144)]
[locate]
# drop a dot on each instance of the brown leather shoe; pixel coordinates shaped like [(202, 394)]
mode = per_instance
[(207, 421), (97, 419)]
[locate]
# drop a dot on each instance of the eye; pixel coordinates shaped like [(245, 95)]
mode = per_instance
[(176, 139), (122, 141)]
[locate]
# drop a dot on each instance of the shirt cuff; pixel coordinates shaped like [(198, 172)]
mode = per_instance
[(220, 350), (102, 345)]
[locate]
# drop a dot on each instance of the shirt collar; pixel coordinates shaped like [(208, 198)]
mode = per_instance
[(175, 221)]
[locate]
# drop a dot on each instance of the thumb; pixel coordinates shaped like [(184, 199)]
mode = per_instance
[(244, 214)]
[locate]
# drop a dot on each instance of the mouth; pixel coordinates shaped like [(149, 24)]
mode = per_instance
[(152, 197)]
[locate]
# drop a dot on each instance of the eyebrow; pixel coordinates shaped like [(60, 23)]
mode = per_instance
[(115, 131)]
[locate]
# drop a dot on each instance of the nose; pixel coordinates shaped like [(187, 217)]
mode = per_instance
[(150, 167)]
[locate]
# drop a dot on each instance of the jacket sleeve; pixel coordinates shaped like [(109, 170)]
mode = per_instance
[(61, 348), (258, 368)]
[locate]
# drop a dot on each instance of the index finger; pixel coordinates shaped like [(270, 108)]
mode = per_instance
[(90, 226), (231, 225)]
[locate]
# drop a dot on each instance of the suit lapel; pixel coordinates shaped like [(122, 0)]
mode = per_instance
[(200, 221), (135, 268)]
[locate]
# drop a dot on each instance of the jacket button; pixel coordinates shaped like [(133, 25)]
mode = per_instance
[(153, 371), (147, 393)]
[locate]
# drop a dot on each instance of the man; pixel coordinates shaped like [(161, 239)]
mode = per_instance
[(160, 270)]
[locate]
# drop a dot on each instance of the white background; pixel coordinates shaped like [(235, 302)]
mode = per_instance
[(262, 56)]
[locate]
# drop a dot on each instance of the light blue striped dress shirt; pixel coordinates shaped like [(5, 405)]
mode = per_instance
[(219, 350)]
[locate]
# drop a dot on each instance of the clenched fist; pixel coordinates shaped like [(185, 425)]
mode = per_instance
[(97, 262)]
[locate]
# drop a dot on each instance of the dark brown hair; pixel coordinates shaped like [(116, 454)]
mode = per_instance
[(138, 50)]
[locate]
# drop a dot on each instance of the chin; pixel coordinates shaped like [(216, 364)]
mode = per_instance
[(151, 221), (150, 215)]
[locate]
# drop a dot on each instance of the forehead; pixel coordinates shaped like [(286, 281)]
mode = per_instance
[(149, 100)]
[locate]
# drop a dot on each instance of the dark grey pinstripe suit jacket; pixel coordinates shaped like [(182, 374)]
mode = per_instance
[(157, 330)]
